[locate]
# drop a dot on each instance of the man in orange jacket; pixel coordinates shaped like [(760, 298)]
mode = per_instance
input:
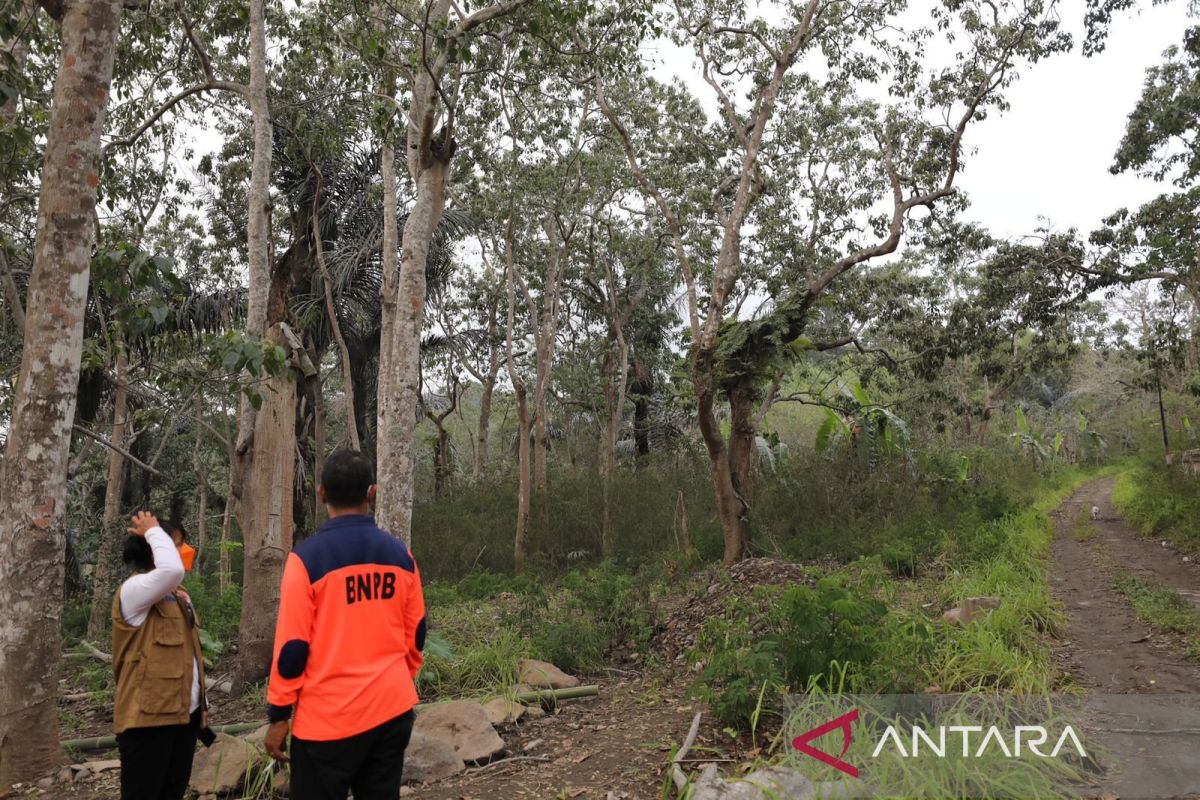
[(347, 648), (187, 553)]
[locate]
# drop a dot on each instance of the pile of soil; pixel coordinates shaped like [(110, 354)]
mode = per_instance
[(683, 623)]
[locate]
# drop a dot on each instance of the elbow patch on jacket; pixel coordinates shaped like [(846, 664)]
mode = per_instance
[(293, 658), (421, 634)]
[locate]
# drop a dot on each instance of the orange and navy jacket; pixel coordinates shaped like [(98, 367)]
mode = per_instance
[(350, 632)]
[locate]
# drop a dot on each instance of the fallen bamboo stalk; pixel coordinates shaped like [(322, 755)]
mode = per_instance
[(107, 742), (542, 696)]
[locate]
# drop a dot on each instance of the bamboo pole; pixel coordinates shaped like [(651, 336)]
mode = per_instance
[(550, 696)]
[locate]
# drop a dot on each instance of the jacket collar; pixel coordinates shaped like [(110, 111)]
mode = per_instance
[(348, 521)]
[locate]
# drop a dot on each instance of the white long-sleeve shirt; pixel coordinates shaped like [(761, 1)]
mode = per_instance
[(140, 592)]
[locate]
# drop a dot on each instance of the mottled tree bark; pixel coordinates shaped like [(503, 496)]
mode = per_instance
[(267, 522), (266, 447), (399, 378), (33, 478)]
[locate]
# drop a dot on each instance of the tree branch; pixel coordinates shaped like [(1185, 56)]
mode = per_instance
[(111, 446)]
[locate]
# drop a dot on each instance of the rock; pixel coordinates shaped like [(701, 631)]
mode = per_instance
[(406, 791), (428, 759), (541, 675), (971, 608), (503, 712), (222, 768), (534, 712), (256, 736), (463, 725), (46, 783), (532, 745), (65, 775), (96, 767), (763, 784)]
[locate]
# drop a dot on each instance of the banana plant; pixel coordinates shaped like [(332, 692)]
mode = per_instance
[(1033, 444), (1092, 445), (870, 430)]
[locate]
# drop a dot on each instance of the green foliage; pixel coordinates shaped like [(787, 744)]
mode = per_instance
[(802, 634), (1161, 501), (219, 614)]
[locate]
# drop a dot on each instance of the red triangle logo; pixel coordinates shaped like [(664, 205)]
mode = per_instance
[(842, 723)]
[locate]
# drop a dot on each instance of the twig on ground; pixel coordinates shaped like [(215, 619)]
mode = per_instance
[(676, 773), (508, 761)]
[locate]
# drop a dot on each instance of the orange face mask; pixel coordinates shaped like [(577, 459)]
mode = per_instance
[(188, 554)]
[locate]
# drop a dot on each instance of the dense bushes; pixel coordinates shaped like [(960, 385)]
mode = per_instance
[(490, 621), (809, 507), (862, 630)]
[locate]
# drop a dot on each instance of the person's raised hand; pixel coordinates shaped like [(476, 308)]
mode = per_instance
[(275, 740), (143, 522)]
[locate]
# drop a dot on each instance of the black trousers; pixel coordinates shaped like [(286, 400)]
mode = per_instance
[(156, 763), (368, 763)]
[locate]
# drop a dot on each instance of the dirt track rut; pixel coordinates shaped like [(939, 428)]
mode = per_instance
[(1142, 692)]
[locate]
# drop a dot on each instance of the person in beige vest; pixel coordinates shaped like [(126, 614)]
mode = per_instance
[(159, 707)]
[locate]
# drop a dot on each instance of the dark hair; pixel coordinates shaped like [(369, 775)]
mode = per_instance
[(176, 525), (137, 554), (346, 476)]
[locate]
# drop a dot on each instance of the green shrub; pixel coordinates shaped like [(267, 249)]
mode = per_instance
[(803, 635)]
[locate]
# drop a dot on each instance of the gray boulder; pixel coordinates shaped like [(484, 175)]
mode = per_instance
[(429, 759), (464, 726), (541, 675)]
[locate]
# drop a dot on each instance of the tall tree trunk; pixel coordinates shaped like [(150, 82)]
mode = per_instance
[(224, 568), (399, 378), (731, 508), (33, 488), (202, 501), (524, 482), (110, 526), (266, 447), (336, 327), (614, 395), (483, 429), (267, 524), (258, 207), (742, 454), (319, 443), (18, 51), (523, 422)]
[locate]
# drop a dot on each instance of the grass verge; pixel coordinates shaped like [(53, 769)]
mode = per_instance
[(1163, 609)]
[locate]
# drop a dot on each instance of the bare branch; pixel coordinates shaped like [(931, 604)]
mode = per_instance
[(111, 446)]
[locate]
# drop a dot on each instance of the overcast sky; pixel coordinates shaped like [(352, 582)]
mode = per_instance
[(1047, 157)]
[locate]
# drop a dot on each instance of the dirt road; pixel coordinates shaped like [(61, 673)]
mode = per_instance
[(1142, 693)]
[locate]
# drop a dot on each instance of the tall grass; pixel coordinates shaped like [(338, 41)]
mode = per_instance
[(1161, 500)]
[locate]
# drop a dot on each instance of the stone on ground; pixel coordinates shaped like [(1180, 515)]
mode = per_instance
[(970, 609), (257, 735), (763, 784), (222, 768), (428, 759), (503, 712), (465, 726), (541, 675)]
